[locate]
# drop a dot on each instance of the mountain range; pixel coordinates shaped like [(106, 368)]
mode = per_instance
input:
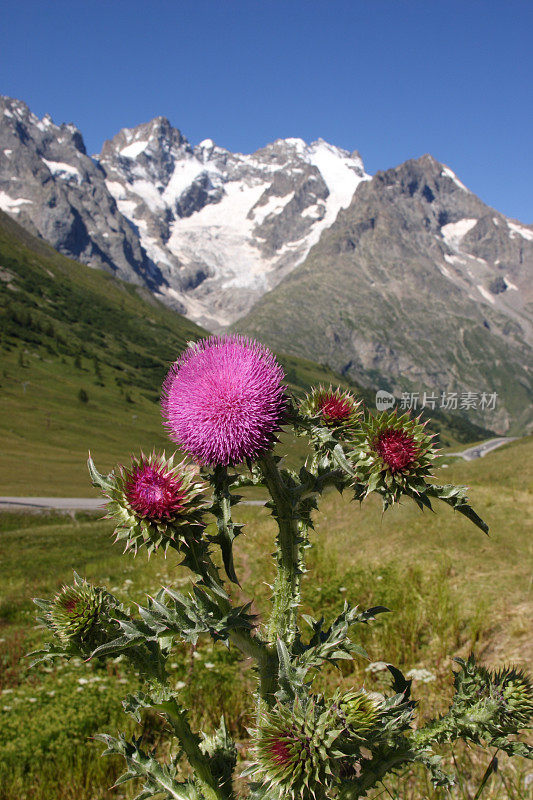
[(404, 281)]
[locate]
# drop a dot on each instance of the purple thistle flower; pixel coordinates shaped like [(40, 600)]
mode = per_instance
[(153, 491), (397, 448), (223, 400)]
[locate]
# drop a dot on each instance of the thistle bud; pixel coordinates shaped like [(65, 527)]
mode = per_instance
[(490, 704), (359, 712), (294, 750), (335, 408), (394, 453), (514, 692), (74, 611)]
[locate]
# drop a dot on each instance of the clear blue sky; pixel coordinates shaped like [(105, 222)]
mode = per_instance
[(391, 78)]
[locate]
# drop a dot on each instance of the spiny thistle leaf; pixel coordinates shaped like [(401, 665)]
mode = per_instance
[(160, 780), (333, 644), (455, 496), (222, 753)]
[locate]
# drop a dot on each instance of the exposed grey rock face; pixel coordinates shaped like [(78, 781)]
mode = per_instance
[(50, 185), (417, 285)]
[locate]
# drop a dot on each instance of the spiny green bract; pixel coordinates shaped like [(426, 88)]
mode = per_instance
[(156, 524), (487, 707), (359, 710), (81, 618), (314, 748), (488, 704)]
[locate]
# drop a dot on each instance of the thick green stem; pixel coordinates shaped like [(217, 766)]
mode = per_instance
[(211, 789), (250, 645), (282, 623), (256, 648)]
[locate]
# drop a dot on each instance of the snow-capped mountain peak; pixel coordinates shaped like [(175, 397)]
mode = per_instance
[(224, 227)]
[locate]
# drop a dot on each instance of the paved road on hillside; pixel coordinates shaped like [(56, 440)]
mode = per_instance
[(96, 503), (481, 450), (68, 503)]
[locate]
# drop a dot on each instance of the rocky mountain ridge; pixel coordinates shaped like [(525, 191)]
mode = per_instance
[(52, 187), (225, 227), (207, 230), (405, 280), (418, 286)]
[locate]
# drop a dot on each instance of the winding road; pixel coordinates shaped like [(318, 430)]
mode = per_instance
[(96, 503), (480, 450)]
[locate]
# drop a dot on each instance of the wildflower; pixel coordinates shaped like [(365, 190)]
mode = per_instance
[(394, 455), (376, 666), (153, 500), (223, 400), (152, 492), (422, 675), (397, 449), (335, 408)]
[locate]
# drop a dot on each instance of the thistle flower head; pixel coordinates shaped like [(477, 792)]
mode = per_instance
[(394, 454), (154, 501), (294, 752), (397, 449), (336, 408), (154, 492), (223, 400), (75, 610)]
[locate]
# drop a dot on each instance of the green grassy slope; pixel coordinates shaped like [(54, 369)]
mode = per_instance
[(82, 359)]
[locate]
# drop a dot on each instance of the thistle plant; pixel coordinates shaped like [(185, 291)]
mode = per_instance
[(224, 403)]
